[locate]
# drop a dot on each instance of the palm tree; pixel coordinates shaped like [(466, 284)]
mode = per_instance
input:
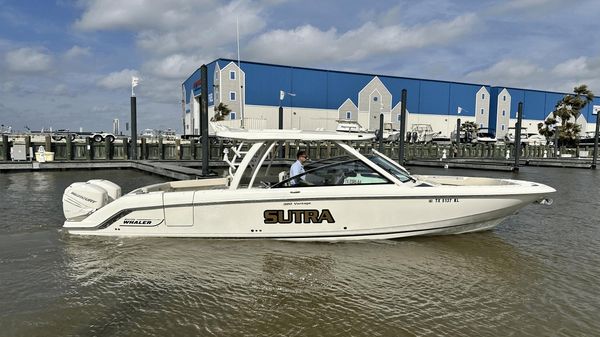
[(569, 107), (470, 129), (221, 111)]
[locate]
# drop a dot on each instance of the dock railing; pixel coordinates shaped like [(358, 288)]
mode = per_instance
[(178, 149)]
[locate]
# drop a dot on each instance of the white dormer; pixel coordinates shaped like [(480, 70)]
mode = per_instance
[(482, 107)]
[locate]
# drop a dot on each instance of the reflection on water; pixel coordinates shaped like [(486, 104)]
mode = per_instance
[(534, 275)]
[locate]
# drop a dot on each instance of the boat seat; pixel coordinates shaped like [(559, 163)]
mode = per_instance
[(283, 175)]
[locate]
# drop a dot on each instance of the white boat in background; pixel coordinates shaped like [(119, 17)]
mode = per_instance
[(421, 134), (485, 136), (527, 138), (389, 133), (348, 197)]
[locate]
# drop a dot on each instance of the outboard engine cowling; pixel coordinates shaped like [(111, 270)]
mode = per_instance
[(82, 199), (113, 190)]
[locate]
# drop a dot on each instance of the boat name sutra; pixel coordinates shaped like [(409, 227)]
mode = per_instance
[(274, 216)]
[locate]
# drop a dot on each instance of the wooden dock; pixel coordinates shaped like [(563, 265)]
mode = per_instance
[(168, 170), (182, 159), (501, 164)]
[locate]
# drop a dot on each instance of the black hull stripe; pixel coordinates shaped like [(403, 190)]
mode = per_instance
[(305, 236)]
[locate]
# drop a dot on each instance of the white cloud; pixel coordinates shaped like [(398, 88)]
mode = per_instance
[(77, 51), (119, 79), (175, 26), (581, 67), (139, 14), (175, 66), (521, 5), (561, 77), (101, 108), (60, 90), (218, 27), (28, 60), (507, 72), (307, 44)]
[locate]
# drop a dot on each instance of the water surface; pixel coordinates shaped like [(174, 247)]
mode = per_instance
[(535, 275)]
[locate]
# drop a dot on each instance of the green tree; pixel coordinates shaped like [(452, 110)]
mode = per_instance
[(565, 113), (221, 111)]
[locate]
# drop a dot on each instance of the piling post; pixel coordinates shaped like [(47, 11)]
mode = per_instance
[(133, 128), (457, 135), (69, 149), (518, 137), (88, 148), (124, 141), (380, 133), (193, 149), (204, 118), (48, 144), (5, 149), (28, 147), (402, 128), (556, 132), (107, 146), (143, 149), (161, 151), (594, 160)]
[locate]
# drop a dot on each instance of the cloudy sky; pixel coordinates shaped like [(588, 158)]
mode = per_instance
[(68, 64)]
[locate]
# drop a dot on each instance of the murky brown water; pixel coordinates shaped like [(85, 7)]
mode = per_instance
[(535, 275)]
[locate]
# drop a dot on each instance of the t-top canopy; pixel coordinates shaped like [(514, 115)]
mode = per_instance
[(275, 134)]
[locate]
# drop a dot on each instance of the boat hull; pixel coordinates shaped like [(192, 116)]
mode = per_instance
[(311, 214)]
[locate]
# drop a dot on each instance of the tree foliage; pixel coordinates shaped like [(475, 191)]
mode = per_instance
[(565, 114), (221, 111)]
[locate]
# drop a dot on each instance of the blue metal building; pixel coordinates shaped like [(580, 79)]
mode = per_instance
[(323, 93)]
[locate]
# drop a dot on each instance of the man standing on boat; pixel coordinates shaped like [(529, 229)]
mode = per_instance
[(298, 168)]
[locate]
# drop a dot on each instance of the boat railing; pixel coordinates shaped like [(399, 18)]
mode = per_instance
[(233, 162)]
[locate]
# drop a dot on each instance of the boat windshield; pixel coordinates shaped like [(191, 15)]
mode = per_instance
[(396, 171)]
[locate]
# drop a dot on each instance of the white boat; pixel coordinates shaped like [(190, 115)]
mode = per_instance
[(348, 197), (485, 136), (527, 138), (422, 134)]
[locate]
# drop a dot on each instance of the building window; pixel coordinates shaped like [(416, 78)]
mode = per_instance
[(232, 75), (504, 98), (502, 127), (232, 115), (503, 113), (348, 114), (481, 126), (482, 111), (482, 96), (399, 118), (375, 98), (232, 95)]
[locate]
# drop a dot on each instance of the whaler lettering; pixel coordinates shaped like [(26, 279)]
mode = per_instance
[(274, 216), (137, 222)]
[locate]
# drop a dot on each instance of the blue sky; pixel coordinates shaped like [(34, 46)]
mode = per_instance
[(68, 64)]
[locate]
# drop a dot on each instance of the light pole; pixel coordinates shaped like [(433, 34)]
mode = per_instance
[(281, 97)]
